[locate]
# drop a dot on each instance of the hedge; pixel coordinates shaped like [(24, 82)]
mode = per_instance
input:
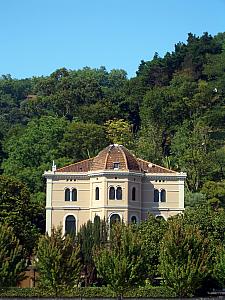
[(89, 292)]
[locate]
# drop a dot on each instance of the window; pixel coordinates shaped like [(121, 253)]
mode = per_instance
[(163, 196), (133, 220), (70, 225), (70, 194), (97, 193), (156, 195), (115, 218), (67, 194), (74, 194), (119, 193), (116, 165), (133, 194), (111, 193), (115, 193)]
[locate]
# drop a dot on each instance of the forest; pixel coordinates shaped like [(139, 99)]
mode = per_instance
[(171, 113)]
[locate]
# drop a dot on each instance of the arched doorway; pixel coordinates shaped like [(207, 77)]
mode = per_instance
[(115, 218), (70, 225)]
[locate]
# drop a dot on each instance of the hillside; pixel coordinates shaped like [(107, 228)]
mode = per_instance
[(171, 113)]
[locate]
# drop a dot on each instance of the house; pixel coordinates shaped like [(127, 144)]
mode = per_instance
[(114, 185)]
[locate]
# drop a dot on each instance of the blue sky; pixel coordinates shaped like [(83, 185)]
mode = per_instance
[(39, 36)]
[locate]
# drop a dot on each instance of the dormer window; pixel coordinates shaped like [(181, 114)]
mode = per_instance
[(116, 165)]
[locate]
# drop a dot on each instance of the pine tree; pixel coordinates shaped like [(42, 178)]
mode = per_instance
[(58, 261), (184, 257), (12, 262), (120, 262)]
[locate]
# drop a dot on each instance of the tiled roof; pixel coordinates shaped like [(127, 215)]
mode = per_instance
[(148, 167), (112, 154), (115, 154), (81, 166)]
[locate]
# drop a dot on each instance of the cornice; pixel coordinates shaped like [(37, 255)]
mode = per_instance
[(102, 173), (86, 175)]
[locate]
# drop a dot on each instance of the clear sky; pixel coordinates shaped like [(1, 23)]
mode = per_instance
[(39, 36)]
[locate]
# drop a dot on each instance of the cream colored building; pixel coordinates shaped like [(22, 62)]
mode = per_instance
[(113, 185)]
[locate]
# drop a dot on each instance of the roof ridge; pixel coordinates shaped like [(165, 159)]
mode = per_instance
[(124, 156), (106, 157)]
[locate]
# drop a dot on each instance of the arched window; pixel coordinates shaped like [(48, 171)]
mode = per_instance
[(67, 194), (133, 194), (115, 218), (111, 193), (133, 220), (156, 195), (74, 194), (97, 193), (119, 193), (163, 196), (70, 225)]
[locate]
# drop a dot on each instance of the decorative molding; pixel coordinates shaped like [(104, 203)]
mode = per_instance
[(86, 175), (162, 209), (105, 173), (63, 176)]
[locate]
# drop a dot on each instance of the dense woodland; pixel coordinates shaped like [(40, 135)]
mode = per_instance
[(171, 113)]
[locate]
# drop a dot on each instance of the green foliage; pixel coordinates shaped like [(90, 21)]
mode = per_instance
[(89, 292), (219, 267), (149, 143), (35, 147), (216, 191), (12, 262), (91, 235), (121, 263), (210, 221), (58, 261), (151, 232), (83, 140), (17, 211), (184, 257), (191, 152), (194, 199), (119, 132), (171, 113)]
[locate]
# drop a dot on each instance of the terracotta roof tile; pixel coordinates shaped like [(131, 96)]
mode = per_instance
[(149, 167), (81, 166), (115, 154)]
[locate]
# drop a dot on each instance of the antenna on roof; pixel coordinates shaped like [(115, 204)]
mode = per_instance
[(53, 166)]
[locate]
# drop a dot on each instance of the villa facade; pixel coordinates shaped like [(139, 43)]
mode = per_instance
[(114, 185)]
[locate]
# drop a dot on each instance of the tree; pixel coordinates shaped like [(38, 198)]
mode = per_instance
[(219, 267), (119, 132), (120, 263), (12, 262), (29, 152), (17, 211), (91, 235), (58, 261), (151, 232), (83, 140), (209, 219), (192, 154), (215, 192), (184, 257), (149, 143)]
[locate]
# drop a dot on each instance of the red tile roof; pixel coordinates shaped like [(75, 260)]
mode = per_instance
[(148, 167), (81, 166), (114, 154)]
